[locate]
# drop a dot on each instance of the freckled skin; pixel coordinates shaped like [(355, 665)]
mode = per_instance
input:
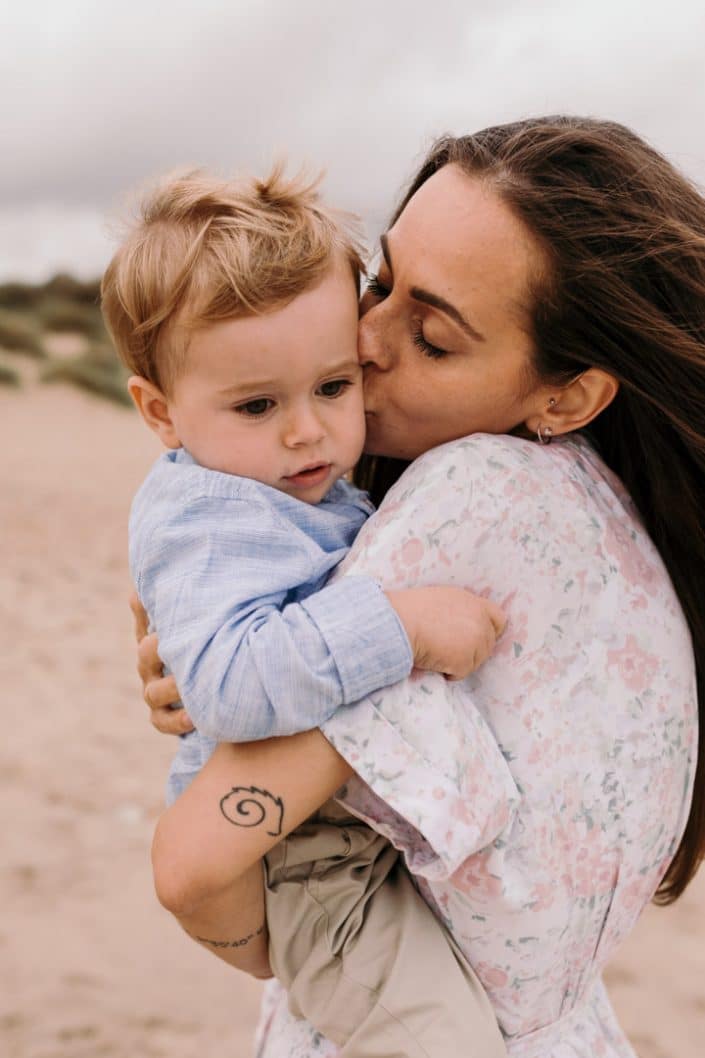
[(457, 240)]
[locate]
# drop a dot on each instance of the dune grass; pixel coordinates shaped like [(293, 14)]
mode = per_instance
[(16, 295), (62, 315), (23, 296), (68, 288), (30, 313), (8, 376), (19, 333), (97, 370)]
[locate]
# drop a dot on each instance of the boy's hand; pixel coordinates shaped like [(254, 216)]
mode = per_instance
[(450, 630), (160, 691)]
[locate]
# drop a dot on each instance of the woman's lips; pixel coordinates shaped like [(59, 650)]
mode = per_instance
[(310, 476)]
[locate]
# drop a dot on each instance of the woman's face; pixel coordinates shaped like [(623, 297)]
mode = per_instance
[(444, 334)]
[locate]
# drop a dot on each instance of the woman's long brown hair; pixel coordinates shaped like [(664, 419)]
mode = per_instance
[(624, 237)]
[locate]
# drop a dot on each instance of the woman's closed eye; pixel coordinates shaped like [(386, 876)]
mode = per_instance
[(417, 337), (375, 287), (378, 290)]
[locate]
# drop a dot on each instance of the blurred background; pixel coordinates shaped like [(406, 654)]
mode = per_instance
[(96, 100)]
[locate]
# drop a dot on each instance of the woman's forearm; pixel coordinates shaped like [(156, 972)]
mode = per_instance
[(232, 925), (244, 800)]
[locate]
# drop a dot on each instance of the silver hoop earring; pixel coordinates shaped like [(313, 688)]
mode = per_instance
[(544, 434)]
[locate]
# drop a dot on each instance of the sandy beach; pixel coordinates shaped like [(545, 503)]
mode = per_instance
[(91, 965)]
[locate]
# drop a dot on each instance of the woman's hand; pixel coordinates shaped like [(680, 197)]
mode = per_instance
[(160, 691)]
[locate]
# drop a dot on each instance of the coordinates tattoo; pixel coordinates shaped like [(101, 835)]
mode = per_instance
[(248, 806), (239, 943)]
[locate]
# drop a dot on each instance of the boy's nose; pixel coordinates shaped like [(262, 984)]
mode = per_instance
[(303, 427)]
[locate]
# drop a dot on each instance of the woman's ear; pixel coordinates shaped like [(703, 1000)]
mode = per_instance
[(153, 406), (572, 407)]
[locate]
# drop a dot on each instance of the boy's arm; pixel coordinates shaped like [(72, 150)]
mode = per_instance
[(250, 667), (216, 579), (208, 844)]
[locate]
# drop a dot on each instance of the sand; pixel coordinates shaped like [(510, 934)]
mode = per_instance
[(90, 964)]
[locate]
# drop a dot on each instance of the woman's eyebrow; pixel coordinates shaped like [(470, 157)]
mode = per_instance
[(434, 300)]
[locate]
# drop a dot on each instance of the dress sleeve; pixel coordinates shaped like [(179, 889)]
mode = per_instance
[(430, 774), (248, 663)]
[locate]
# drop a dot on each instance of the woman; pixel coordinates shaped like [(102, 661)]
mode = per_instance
[(541, 281)]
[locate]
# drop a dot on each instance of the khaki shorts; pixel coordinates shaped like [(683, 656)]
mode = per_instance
[(362, 956)]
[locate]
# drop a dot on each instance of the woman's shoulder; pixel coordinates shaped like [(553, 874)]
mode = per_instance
[(474, 454), (517, 476), (511, 503), (496, 471), (481, 455), (470, 496)]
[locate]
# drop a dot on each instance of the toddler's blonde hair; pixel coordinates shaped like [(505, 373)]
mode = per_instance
[(206, 250)]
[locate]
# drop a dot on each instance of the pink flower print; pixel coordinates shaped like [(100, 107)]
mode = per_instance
[(474, 877), (548, 667), (542, 896), (412, 551), (594, 869), (386, 514), (491, 976), (513, 642), (462, 811), (634, 895), (544, 751), (622, 544), (636, 667), (531, 719)]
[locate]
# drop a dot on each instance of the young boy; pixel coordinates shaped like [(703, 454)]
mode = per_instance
[(236, 307)]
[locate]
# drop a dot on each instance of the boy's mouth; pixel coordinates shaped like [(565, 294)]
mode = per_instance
[(313, 474)]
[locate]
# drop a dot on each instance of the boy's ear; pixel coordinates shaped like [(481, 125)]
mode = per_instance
[(154, 409)]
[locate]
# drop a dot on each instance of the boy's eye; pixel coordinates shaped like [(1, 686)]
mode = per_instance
[(254, 408), (335, 388)]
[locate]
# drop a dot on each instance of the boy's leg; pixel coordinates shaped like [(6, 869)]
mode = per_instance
[(362, 956)]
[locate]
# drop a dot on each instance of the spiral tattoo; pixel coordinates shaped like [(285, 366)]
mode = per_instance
[(252, 811)]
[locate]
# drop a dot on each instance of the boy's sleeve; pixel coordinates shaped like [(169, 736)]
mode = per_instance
[(249, 665)]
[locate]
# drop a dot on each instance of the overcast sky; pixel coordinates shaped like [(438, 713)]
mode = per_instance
[(98, 97)]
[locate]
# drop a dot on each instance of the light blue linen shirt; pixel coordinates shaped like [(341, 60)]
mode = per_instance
[(232, 574)]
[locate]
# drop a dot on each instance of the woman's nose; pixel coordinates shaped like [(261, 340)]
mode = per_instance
[(302, 427), (373, 341)]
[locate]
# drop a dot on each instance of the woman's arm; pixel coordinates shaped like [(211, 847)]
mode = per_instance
[(232, 925), (245, 799), (206, 868), (208, 844)]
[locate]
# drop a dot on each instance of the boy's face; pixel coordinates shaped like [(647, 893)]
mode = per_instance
[(278, 397)]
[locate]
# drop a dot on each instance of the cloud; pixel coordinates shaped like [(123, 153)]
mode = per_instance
[(96, 99)]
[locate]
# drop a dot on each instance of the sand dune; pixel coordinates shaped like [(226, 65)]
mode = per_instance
[(91, 966)]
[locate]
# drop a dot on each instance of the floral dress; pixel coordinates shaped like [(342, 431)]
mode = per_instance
[(539, 801)]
